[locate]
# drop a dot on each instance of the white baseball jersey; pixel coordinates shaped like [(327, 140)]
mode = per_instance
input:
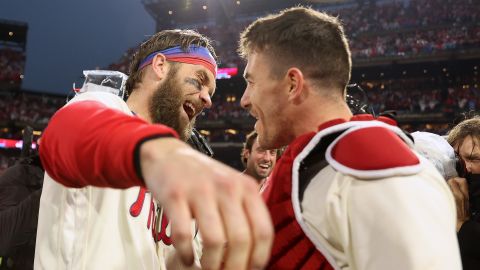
[(99, 227)]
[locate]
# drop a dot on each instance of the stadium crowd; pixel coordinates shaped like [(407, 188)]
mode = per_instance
[(12, 64), (405, 97), (28, 108), (375, 29)]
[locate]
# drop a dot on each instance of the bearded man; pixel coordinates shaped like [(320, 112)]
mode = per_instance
[(121, 190)]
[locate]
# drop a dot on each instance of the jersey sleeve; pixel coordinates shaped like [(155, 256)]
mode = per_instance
[(90, 143)]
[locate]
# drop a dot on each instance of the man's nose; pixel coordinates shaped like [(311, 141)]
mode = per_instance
[(245, 100), (468, 166), (206, 99)]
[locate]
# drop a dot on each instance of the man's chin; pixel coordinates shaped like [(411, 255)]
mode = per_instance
[(263, 175)]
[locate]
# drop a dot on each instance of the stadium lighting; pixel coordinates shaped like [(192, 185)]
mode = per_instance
[(9, 143), (205, 132), (238, 2), (170, 12), (204, 7), (10, 34)]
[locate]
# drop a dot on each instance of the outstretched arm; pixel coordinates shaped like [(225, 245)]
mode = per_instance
[(88, 143)]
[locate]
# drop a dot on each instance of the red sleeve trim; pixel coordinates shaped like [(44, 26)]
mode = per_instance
[(87, 143), (373, 148)]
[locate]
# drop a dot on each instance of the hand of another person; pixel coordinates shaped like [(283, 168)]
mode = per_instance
[(225, 204), (459, 189)]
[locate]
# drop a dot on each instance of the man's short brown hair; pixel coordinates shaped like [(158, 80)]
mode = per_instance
[(161, 41), (469, 127), (249, 141), (304, 38)]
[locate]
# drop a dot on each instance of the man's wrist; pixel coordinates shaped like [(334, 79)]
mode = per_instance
[(157, 150)]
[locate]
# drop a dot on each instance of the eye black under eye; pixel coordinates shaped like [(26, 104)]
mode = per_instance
[(194, 82)]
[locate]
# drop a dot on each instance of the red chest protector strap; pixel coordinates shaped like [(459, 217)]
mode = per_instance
[(291, 248)]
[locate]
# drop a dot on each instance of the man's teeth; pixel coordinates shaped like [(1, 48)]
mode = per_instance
[(264, 166), (191, 107)]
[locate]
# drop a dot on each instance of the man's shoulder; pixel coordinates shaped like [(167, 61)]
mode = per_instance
[(108, 99), (368, 150)]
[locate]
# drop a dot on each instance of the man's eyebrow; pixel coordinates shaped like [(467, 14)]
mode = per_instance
[(474, 156), (202, 75)]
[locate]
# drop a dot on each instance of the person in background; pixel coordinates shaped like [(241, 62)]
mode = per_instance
[(438, 151), (20, 190), (465, 139), (258, 162)]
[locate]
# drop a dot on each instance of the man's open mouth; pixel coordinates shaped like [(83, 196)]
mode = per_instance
[(189, 109)]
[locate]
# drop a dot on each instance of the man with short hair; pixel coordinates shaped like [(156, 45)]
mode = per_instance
[(121, 188), (258, 162), (465, 139), (349, 192)]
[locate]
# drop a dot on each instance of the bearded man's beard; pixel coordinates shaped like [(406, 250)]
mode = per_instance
[(166, 103)]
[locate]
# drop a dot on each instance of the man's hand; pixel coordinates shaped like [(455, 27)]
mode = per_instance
[(459, 189), (233, 220)]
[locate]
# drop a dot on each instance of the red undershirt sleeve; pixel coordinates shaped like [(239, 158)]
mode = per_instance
[(87, 143)]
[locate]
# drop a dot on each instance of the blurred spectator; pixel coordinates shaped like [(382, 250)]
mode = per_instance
[(20, 190), (258, 162), (465, 139), (436, 150)]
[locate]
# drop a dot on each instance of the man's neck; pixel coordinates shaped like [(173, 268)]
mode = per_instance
[(252, 174), (316, 112), (139, 105)]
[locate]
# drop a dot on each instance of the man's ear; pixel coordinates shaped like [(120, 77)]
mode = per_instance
[(247, 153), (296, 83), (244, 156), (159, 65)]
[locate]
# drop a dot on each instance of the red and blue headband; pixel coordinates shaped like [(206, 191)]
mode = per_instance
[(196, 55)]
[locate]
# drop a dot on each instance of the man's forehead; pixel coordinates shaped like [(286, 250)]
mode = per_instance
[(468, 146), (248, 73), (256, 61)]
